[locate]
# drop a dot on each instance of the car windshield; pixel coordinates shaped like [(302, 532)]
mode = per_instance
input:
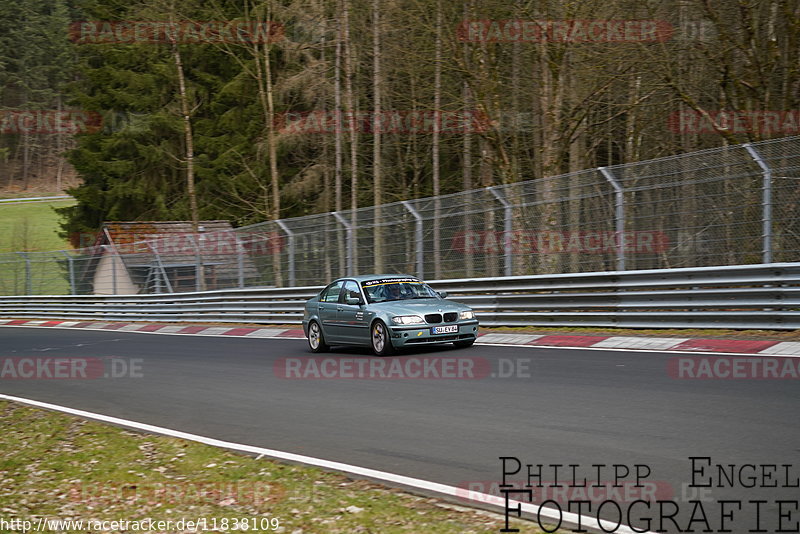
[(385, 290)]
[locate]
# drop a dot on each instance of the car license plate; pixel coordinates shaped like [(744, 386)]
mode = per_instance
[(449, 329)]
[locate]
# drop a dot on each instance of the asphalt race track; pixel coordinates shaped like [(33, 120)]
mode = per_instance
[(559, 406)]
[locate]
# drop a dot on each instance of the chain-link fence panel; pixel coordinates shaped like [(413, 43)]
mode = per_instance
[(781, 172), (724, 206), (702, 208)]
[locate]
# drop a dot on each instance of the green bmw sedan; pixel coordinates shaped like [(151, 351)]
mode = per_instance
[(385, 312)]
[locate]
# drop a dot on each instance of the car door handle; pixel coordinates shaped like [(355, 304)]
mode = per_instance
[(339, 309)]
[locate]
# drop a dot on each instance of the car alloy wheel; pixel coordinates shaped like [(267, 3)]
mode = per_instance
[(316, 341), (381, 344)]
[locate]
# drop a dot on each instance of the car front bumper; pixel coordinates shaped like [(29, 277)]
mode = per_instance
[(409, 336)]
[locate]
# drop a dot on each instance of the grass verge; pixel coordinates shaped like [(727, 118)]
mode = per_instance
[(61, 467), (31, 226)]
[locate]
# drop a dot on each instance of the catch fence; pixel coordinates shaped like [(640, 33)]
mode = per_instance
[(734, 205)]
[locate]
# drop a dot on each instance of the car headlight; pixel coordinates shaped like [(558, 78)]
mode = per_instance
[(407, 319), (469, 314)]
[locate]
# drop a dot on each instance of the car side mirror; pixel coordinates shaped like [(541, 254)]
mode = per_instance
[(353, 301), (443, 294)]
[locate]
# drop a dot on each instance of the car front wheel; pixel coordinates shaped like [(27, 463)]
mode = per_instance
[(381, 344), (316, 341), (464, 344)]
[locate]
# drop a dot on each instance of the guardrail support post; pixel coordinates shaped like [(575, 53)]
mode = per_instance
[(619, 215), (766, 204), (290, 235), (71, 269), (350, 242), (419, 239), (509, 258)]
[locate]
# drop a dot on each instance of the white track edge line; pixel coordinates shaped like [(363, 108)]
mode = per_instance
[(683, 352), (568, 517), (200, 334), (197, 334)]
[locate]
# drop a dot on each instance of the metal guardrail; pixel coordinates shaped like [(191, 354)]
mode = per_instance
[(742, 296)]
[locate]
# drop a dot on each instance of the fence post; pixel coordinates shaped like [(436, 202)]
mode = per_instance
[(239, 260), (290, 235), (350, 242), (619, 215), (28, 281), (766, 204), (199, 268), (419, 239), (71, 268), (509, 267), (161, 268), (113, 256)]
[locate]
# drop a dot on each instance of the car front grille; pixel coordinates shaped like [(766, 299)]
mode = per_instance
[(433, 318), (449, 317)]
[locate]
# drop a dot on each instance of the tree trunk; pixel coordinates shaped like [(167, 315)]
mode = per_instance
[(437, 109), (377, 191), (339, 142), (59, 152), (189, 140), (551, 99), (466, 155), (273, 153), (352, 111)]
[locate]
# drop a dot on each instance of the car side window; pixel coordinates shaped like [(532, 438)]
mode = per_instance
[(331, 294), (351, 291)]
